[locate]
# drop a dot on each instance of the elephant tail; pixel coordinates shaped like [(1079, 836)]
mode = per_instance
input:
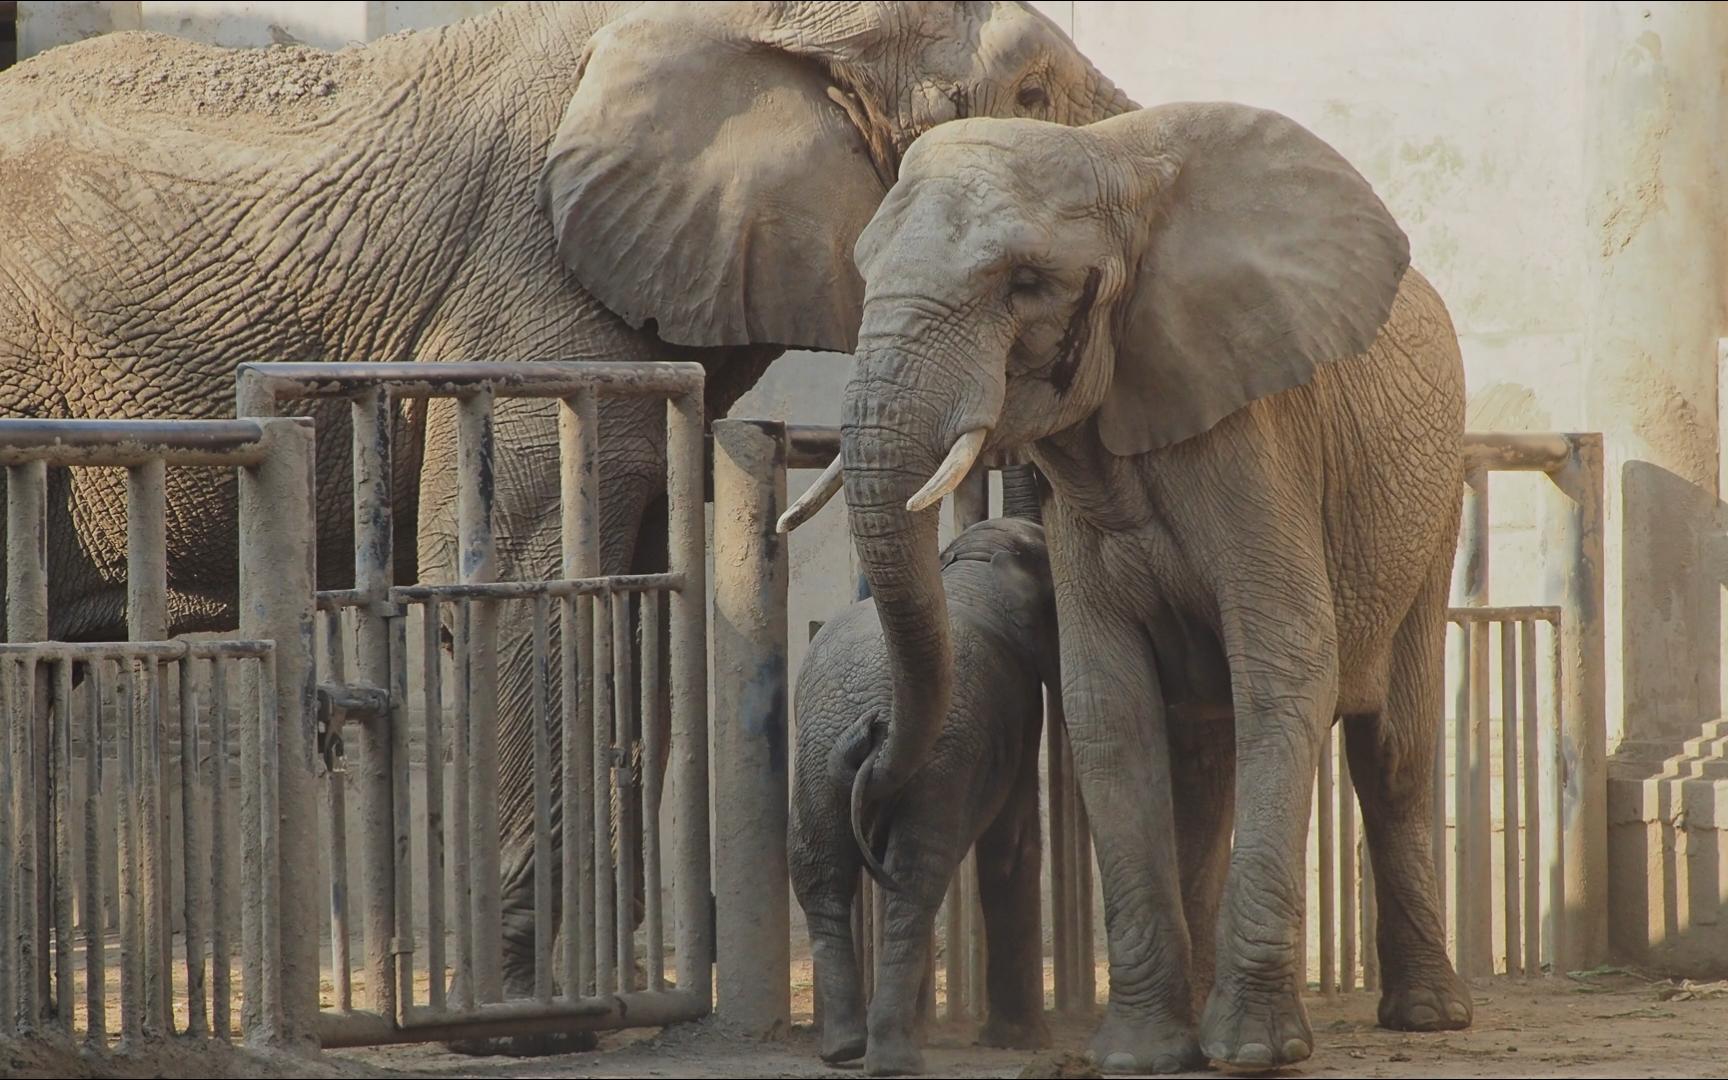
[(870, 836)]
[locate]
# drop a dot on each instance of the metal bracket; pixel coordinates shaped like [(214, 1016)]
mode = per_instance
[(337, 703)]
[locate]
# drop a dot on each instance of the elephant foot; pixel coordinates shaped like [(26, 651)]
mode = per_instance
[(527, 1046), (842, 1040), (1439, 1003), (893, 1056), (1247, 1030), (1139, 1045), (1015, 1034)]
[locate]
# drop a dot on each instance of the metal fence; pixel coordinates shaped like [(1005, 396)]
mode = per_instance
[(108, 739), (456, 821)]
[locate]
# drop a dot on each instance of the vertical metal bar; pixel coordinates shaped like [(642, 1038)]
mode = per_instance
[(623, 789), (1346, 875), (336, 806), (1560, 897), (542, 804), (436, 883), (152, 874), (1509, 794), (1370, 921), (477, 554), (1327, 872), (1578, 532), (864, 933), (1463, 952), (684, 459), (30, 854), (1437, 837), (605, 830), (750, 725), (401, 814), (1480, 878), (10, 720), (271, 873), (652, 680), (578, 454), (131, 959), (64, 928), (1087, 982), (373, 576), (461, 777), (277, 527), (190, 846), (1532, 770), (95, 923), (221, 999), (27, 620), (1061, 945), (147, 620)]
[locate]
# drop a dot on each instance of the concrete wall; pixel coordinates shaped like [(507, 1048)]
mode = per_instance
[(1558, 167)]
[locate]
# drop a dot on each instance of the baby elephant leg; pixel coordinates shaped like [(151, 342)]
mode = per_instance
[(1009, 855)]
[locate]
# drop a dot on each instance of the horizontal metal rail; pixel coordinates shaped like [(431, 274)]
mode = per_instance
[(541, 379), (642, 1008), (128, 443), (135, 650)]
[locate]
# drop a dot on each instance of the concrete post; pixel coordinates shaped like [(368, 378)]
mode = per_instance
[(277, 518), (27, 620), (750, 702)]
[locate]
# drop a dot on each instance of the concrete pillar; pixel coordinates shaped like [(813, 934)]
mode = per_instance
[(1653, 90), (752, 908)]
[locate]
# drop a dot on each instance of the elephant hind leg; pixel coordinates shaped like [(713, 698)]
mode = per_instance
[(1009, 861), (1391, 762), (1203, 782)]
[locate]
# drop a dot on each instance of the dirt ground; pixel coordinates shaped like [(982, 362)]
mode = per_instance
[(1605, 1024)]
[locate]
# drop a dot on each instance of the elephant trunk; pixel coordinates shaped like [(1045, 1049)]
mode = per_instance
[(887, 454), (1106, 99), (1020, 496)]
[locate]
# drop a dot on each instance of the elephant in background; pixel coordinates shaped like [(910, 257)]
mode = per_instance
[(1203, 325), (978, 784), (576, 181)]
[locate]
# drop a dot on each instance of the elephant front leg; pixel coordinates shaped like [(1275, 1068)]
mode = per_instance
[(1284, 685), (1117, 727)]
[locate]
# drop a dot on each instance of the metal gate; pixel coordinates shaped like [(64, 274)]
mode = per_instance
[(111, 740), (414, 988)]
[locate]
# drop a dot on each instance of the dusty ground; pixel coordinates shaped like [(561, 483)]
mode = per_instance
[(1607, 1024)]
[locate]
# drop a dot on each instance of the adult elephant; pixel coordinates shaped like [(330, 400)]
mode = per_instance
[(1203, 323), (550, 181)]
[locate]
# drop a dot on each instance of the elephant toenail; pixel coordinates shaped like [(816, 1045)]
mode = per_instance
[(1458, 1011), (1423, 1016), (1296, 1050), (1253, 1056), (1166, 1064), (1121, 1062)]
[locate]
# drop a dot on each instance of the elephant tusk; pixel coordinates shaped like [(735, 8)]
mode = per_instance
[(952, 471), (813, 499)]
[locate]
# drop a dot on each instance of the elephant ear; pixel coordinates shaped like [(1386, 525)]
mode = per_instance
[(1266, 255), (711, 186)]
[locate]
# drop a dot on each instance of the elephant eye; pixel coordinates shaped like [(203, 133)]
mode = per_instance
[(1032, 96), (1025, 281)]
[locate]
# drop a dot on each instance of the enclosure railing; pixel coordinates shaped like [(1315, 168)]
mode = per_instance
[(1550, 789), (595, 655), (155, 731)]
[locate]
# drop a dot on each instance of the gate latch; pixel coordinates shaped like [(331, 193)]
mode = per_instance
[(337, 703)]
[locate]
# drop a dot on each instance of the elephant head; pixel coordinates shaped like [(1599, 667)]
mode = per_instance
[(1147, 275), (717, 161)]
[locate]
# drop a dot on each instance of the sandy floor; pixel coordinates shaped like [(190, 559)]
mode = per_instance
[(1609, 1024)]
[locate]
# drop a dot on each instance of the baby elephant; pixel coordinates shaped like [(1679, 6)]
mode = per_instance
[(977, 784)]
